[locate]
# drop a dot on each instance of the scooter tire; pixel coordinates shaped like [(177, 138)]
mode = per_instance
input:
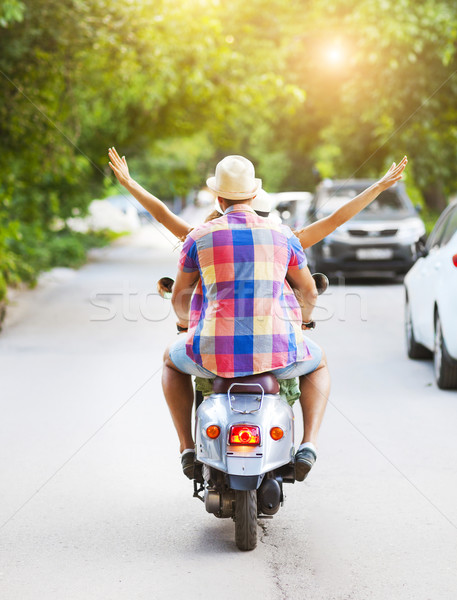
[(246, 519)]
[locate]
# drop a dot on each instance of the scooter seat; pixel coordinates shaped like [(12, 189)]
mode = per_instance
[(267, 380)]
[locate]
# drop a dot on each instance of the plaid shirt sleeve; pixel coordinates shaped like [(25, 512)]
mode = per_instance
[(188, 262), (297, 258)]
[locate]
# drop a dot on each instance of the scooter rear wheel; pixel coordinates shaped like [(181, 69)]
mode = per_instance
[(246, 519)]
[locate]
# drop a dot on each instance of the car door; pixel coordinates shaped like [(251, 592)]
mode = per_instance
[(446, 292), (423, 290)]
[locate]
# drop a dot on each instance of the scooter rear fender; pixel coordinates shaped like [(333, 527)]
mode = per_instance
[(244, 460)]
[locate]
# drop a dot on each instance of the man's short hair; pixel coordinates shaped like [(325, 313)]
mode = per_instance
[(233, 202)]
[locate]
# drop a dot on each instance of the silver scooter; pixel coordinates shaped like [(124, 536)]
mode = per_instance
[(244, 440)]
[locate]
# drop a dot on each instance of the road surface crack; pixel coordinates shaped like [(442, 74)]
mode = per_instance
[(274, 566)]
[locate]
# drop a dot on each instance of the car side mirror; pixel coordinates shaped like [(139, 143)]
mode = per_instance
[(421, 247)]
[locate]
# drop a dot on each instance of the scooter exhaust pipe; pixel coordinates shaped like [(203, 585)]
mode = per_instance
[(269, 497)]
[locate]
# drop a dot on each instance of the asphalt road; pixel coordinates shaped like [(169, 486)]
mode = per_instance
[(94, 506)]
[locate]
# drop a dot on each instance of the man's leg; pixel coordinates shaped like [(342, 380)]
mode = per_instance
[(314, 392), (179, 394)]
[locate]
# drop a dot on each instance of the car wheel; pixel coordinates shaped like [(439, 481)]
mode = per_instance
[(414, 349), (445, 365)]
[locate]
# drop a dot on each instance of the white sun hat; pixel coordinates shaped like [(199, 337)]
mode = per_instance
[(262, 202), (235, 179)]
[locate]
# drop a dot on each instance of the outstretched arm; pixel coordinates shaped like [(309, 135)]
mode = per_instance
[(156, 207), (320, 229)]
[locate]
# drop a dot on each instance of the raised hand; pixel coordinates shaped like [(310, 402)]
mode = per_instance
[(119, 166), (395, 173)]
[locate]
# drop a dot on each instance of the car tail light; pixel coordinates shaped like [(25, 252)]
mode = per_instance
[(213, 431), (244, 435), (454, 260), (276, 433)]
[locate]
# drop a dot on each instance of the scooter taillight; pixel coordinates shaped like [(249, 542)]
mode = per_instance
[(244, 435)]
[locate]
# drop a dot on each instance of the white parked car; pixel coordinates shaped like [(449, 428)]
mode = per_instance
[(291, 207), (431, 301)]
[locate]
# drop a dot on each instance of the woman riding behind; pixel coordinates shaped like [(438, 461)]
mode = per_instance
[(308, 235)]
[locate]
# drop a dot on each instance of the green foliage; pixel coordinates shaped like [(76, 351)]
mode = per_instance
[(29, 251), (177, 85), (11, 11), (392, 92), (175, 165), (69, 248)]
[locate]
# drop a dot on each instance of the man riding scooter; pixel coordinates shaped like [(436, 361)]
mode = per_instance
[(242, 318)]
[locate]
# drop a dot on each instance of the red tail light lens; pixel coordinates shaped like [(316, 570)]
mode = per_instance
[(244, 435), (454, 260), (213, 431)]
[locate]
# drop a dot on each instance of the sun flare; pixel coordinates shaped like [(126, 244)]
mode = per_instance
[(335, 55)]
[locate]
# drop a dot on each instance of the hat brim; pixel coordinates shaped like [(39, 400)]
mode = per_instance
[(211, 183)]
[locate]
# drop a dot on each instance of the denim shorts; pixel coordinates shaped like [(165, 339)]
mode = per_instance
[(187, 365)]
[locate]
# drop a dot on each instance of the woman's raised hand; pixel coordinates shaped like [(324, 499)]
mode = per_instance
[(395, 173), (119, 166)]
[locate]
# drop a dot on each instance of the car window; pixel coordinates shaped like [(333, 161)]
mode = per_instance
[(450, 227), (437, 234), (287, 211), (389, 201)]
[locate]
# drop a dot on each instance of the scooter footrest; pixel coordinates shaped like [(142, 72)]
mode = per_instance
[(287, 472)]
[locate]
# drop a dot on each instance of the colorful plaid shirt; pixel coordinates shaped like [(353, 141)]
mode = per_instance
[(244, 317)]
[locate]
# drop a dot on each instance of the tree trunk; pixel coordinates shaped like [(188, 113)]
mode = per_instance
[(2, 312), (434, 197)]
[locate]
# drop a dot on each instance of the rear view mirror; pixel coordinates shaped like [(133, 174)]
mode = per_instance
[(321, 282), (165, 287)]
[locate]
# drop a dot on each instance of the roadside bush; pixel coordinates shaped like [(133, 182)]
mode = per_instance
[(66, 250), (34, 251), (69, 248), (27, 250), (2, 287), (29, 255)]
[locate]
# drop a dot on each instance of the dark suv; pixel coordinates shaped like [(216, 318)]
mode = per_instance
[(383, 237)]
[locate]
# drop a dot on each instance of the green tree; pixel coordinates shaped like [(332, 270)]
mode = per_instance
[(392, 91), (346, 86)]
